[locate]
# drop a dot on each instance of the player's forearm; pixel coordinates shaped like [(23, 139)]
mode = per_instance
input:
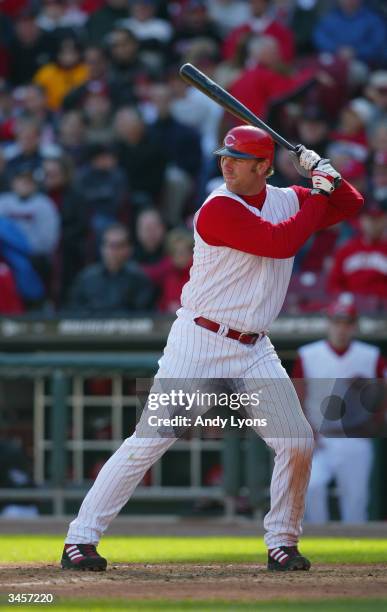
[(286, 238), (345, 202)]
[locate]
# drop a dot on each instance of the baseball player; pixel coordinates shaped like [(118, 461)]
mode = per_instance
[(341, 367), (246, 236)]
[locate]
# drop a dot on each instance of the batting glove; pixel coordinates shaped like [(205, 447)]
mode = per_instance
[(304, 160), (325, 178)]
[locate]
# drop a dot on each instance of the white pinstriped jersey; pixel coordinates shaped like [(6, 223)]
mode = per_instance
[(237, 289)]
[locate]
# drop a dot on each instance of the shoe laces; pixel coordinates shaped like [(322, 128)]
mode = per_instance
[(90, 551)]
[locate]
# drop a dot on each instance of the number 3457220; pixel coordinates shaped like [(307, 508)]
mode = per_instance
[(30, 598)]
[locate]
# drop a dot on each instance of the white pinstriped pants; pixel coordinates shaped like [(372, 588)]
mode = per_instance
[(196, 353)]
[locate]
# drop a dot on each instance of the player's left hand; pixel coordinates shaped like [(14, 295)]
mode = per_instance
[(304, 160), (325, 178)]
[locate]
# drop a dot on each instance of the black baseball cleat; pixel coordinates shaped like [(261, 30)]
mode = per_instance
[(82, 557), (286, 559)]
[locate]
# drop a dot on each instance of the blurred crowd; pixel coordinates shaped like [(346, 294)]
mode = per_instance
[(106, 153)]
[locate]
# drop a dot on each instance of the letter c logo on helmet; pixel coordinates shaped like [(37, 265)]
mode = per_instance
[(247, 142), (229, 140)]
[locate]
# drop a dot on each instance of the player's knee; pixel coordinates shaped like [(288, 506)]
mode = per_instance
[(303, 446)]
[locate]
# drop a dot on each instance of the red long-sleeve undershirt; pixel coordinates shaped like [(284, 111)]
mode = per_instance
[(224, 221)]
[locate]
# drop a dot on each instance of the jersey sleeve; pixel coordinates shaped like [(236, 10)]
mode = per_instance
[(223, 221), (345, 202)]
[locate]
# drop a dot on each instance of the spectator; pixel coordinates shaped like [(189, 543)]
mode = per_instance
[(98, 113), (351, 128), (15, 473), (56, 16), (127, 73), (103, 186), (32, 211), (266, 83), (194, 23), (190, 107), (72, 136), (4, 179), (13, 8), (114, 286), (63, 74), (33, 104), (150, 238), (262, 23), (228, 14), (379, 176), (149, 251), (376, 92), (179, 246), (10, 300), (229, 70), (141, 157), (97, 63), (378, 136), (312, 127), (7, 113), (152, 32), (103, 20), (360, 266), (182, 151), (70, 254), (26, 150), (353, 171), (285, 172), (352, 30), (301, 19), (29, 233), (30, 49)]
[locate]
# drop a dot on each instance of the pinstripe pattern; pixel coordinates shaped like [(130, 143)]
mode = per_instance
[(196, 353), (246, 293), (242, 291)]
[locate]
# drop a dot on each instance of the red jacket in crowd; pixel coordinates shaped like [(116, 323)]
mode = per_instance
[(10, 302), (361, 268), (275, 29), (258, 87)]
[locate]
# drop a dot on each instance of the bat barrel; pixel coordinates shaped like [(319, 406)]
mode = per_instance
[(201, 81)]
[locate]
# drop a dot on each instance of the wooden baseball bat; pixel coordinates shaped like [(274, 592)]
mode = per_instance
[(198, 79)]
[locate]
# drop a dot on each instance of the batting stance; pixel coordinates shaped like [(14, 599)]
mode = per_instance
[(246, 236)]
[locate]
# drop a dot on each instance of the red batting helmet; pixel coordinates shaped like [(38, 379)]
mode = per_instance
[(247, 142)]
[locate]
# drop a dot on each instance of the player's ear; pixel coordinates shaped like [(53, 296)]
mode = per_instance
[(262, 167)]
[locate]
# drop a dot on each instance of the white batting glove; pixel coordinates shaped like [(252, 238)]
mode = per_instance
[(304, 160), (307, 158), (325, 178)]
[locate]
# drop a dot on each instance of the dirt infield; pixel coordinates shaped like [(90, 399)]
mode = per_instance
[(243, 582)]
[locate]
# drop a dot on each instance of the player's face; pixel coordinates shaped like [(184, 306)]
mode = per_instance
[(244, 176), (341, 332)]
